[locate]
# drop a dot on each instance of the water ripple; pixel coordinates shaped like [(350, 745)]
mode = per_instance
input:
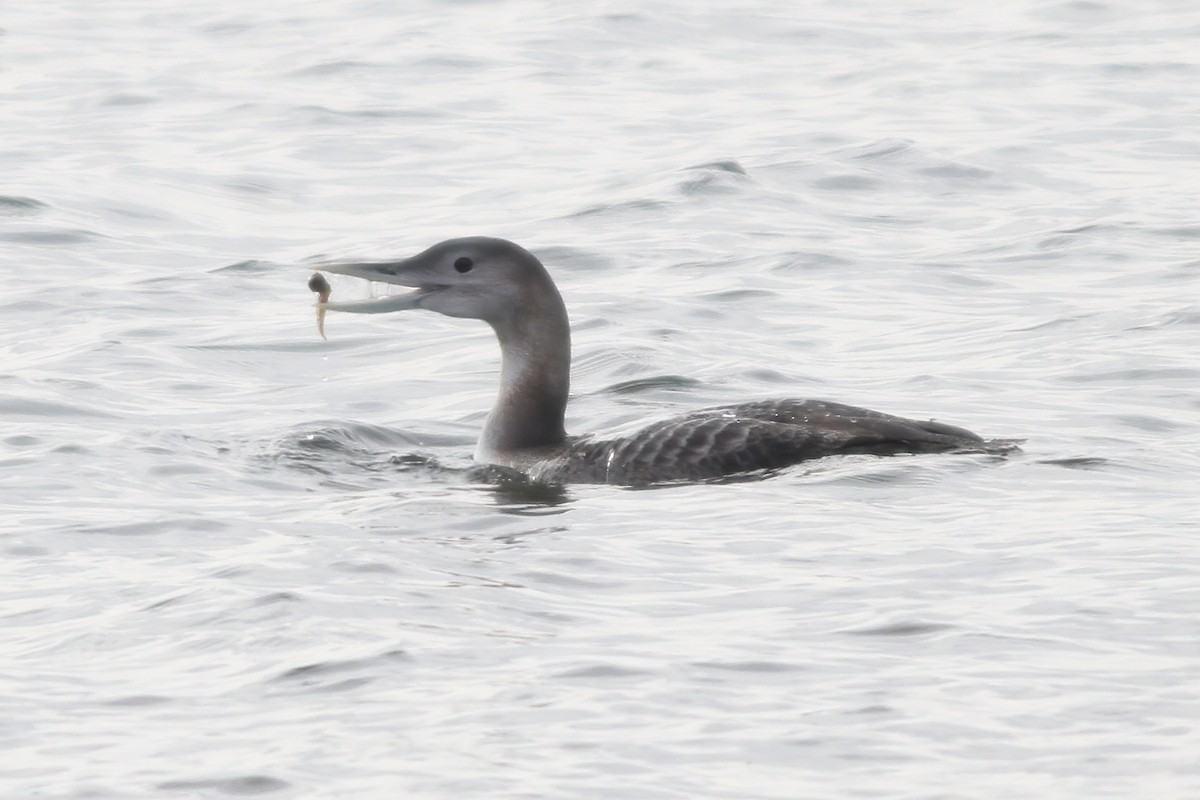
[(240, 786), (20, 205)]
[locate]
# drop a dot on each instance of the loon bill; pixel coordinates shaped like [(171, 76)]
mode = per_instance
[(504, 285)]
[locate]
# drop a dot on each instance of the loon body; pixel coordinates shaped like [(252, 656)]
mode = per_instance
[(504, 285)]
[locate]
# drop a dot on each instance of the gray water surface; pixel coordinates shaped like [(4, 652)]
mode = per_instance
[(238, 560)]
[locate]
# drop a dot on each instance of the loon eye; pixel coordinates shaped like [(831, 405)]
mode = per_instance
[(464, 264)]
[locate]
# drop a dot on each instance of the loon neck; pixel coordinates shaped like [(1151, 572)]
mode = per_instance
[(535, 378)]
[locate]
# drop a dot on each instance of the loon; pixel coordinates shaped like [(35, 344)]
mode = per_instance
[(506, 286)]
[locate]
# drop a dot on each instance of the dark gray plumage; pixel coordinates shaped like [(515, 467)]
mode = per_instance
[(762, 435), (506, 286)]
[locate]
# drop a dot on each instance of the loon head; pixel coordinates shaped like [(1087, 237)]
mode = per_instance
[(476, 277)]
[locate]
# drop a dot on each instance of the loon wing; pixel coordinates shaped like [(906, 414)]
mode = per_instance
[(753, 436)]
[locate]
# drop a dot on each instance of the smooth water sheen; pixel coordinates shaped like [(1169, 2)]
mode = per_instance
[(238, 560)]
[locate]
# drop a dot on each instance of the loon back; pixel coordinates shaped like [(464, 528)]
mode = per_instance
[(726, 440)]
